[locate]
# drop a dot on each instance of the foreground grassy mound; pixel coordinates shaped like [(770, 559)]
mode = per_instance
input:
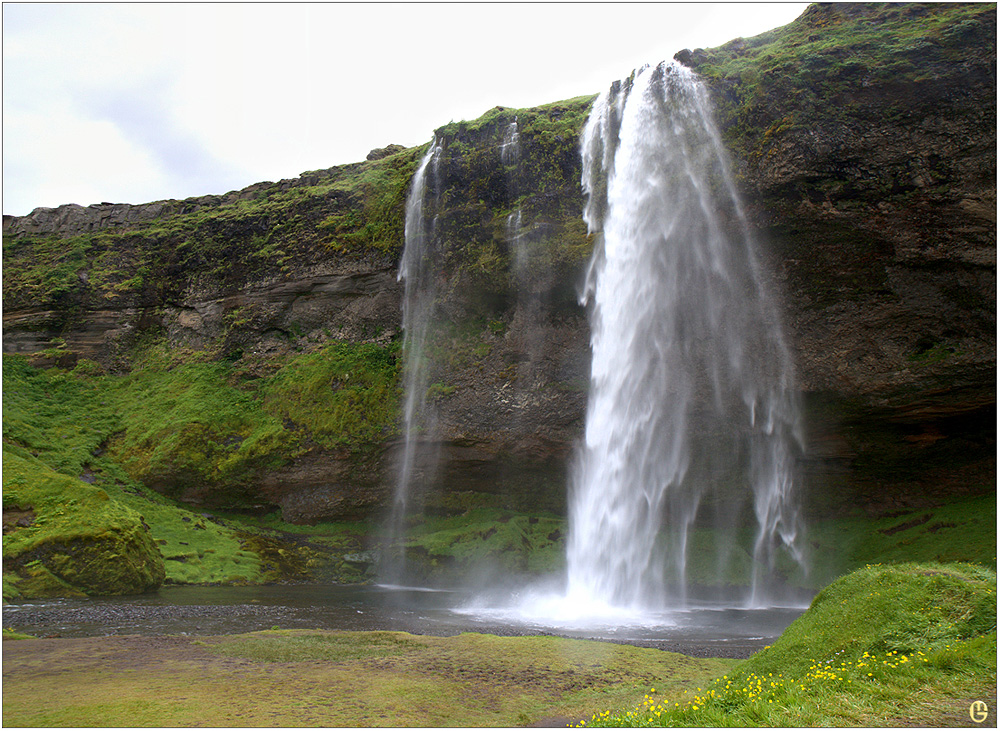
[(312, 678), (910, 644), (64, 537)]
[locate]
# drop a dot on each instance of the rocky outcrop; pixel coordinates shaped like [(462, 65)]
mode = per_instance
[(874, 187), (864, 142), (379, 152)]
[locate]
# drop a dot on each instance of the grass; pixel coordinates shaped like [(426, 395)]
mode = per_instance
[(882, 646), (77, 540), (312, 678), (909, 644), (177, 418), (10, 634)]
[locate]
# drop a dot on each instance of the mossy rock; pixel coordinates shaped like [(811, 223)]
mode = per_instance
[(80, 542)]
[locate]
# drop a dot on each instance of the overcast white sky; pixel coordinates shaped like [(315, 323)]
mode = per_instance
[(131, 103)]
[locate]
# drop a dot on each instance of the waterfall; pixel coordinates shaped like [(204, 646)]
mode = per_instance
[(692, 425), (510, 158), (417, 271), (510, 148)]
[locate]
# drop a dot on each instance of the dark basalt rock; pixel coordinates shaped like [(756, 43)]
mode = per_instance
[(870, 182)]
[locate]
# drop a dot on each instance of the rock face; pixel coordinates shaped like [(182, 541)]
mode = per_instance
[(875, 188), (864, 141)]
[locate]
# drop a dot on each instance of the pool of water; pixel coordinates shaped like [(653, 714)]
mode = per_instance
[(709, 631)]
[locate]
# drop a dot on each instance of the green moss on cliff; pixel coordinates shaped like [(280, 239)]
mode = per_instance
[(345, 394), (188, 421), (379, 222), (265, 230), (480, 190), (188, 424), (76, 539), (179, 421), (819, 68), (483, 540)]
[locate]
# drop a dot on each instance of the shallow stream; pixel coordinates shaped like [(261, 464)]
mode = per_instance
[(707, 631)]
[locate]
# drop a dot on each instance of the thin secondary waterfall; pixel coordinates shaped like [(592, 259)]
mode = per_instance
[(686, 470), (510, 148), (510, 158), (417, 271)]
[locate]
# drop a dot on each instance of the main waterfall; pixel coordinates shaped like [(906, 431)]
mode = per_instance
[(686, 473)]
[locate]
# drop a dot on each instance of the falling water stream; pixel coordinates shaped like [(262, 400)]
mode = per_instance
[(682, 490), (417, 271), (691, 424)]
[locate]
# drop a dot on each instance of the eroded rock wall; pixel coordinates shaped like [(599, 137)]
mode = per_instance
[(864, 142), (874, 188)]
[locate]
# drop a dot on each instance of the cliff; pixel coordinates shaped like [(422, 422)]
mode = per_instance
[(864, 141)]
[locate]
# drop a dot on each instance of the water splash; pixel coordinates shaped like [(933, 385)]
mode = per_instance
[(418, 271), (691, 421)]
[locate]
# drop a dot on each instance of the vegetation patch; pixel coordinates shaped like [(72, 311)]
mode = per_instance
[(309, 678), (345, 394), (882, 646), (79, 540), (965, 530), (9, 634), (188, 425), (58, 426), (485, 539)]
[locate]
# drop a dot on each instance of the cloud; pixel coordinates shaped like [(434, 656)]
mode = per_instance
[(141, 101), (143, 116), (62, 158)]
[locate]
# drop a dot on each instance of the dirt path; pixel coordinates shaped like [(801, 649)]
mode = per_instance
[(325, 678)]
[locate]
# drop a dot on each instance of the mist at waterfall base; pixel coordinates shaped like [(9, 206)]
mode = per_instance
[(681, 495)]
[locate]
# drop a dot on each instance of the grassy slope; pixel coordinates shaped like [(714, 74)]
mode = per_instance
[(910, 644), (79, 541), (111, 430)]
